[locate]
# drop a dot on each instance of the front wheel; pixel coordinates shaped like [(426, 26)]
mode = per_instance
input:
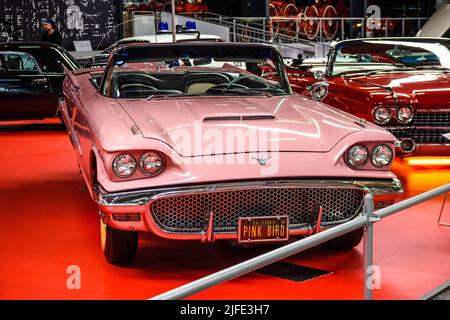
[(118, 246), (347, 241)]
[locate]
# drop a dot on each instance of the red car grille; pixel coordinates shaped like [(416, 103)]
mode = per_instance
[(427, 127), (423, 136), (432, 119), (187, 213)]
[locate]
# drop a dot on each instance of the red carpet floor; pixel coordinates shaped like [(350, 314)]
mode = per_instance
[(48, 224)]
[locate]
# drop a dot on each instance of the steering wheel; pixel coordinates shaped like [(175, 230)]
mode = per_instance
[(257, 79)]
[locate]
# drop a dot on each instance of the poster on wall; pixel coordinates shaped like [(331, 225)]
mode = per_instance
[(93, 20)]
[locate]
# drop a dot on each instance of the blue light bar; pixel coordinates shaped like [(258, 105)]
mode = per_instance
[(163, 26), (191, 25)]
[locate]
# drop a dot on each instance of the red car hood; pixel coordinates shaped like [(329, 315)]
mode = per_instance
[(290, 123), (410, 87)]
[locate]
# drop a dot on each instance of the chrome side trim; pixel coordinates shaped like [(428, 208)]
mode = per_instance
[(143, 197), (434, 144), (432, 128)]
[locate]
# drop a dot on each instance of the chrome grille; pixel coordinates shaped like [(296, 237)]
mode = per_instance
[(423, 136), (187, 213), (432, 119)]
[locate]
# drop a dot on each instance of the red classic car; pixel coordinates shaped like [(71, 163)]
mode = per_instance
[(401, 84), (188, 142)]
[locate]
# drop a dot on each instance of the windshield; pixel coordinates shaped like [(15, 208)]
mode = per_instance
[(146, 72), (390, 56)]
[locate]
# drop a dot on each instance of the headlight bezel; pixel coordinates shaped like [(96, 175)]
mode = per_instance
[(372, 156), (389, 112), (115, 165), (407, 121), (349, 161), (155, 153), (370, 163)]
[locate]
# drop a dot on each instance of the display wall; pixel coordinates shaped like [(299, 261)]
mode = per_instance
[(93, 20)]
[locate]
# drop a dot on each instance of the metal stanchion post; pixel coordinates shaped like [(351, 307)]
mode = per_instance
[(368, 246), (403, 27), (174, 29), (363, 27), (320, 29), (264, 30), (387, 27)]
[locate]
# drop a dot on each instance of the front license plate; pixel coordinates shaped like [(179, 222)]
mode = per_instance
[(263, 229)]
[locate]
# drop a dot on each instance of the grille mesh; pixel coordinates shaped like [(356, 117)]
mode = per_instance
[(422, 136), (432, 119), (187, 213)]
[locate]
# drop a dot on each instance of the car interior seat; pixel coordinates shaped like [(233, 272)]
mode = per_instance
[(199, 83)]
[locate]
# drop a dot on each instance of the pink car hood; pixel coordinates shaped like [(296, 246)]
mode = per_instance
[(292, 123)]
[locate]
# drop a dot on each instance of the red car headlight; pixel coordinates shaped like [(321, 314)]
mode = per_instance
[(405, 115), (124, 165), (382, 115), (151, 163)]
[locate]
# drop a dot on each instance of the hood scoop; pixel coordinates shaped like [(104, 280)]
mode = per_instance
[(240, 118)]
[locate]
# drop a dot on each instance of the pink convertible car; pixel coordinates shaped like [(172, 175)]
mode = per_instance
[(189, 142)]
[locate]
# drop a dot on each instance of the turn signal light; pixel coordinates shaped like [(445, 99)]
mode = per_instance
[(428, 161), (126, 217)]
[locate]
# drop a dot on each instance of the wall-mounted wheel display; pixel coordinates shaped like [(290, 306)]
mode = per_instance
[(304, 22)]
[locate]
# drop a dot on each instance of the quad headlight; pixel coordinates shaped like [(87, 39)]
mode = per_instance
[(382, 155), (382, 115), (151, 163), (124, 165), (357, 156), (405, 115)]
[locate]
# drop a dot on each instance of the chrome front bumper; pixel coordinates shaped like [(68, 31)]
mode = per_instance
[(385, 192), (378, 188)]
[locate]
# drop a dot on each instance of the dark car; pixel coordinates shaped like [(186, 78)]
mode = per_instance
[(31, 77)]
